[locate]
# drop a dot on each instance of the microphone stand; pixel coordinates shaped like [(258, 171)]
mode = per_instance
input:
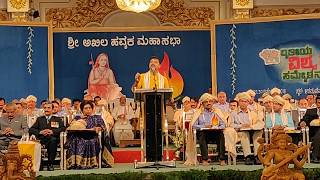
[(155, 80), (156, 163)]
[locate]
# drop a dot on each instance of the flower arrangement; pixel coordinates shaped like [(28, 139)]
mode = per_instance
[(178, 141)]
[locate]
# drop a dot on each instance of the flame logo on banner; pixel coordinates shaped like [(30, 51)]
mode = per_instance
[(173, 76)]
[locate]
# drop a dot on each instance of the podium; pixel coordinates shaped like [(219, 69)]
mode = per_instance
[(153, 124)]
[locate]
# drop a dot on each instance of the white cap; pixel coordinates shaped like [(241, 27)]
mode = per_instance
[(206, 97), (243, 95), (278, 99), (66, 100), (31, 98), (275, 91), (251, 92), (186, 98), (268, 98)]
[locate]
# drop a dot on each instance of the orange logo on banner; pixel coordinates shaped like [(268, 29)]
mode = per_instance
[(173, 76), (214, 121)]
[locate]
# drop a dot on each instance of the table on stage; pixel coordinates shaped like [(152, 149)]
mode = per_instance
[(211, 129), (251, 131), (212, 132)]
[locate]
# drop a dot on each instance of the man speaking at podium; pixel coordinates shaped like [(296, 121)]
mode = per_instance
[(151, 79), (151, 88)]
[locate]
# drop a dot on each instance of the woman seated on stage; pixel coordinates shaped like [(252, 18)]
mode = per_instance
[(83, 145)]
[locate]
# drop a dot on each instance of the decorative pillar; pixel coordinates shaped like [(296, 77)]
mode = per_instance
[(241, 8), (18, 9)]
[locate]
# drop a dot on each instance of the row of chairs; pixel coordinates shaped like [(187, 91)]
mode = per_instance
[(296, 114)]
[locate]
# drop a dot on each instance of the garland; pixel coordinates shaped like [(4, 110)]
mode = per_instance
[(30, 50), (233, 58)]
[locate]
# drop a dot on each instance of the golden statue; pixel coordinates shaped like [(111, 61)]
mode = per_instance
[(15, 167), (281, 151)]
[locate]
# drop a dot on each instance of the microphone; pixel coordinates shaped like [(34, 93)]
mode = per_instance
[(153, 70), (155, 82)]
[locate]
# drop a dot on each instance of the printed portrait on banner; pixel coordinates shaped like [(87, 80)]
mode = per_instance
[(101, 80)]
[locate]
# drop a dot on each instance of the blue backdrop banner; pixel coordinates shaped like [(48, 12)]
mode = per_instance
[(24, 61), (103, 63), (263, 55)]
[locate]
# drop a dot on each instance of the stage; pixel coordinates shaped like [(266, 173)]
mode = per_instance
[(124, 169), (128, 167)]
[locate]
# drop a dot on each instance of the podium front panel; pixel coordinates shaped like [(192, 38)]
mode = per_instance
[(153, 127)]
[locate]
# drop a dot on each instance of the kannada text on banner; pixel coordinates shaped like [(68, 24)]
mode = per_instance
[(185, 61), (263, 55)]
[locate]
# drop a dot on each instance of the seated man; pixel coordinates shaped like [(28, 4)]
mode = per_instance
[(230, 134), (267, 104), (101, 109), (47, 128), (122, 114), (66, 109), (311, 101), (12, 126), (76, 107), (289, 102), (2, 105), (209, 119), (56, 111), (310, 115), (275, 91), (178, 115), (233, 106), (19, 108), (66, 112), (253, 105), (222, 103), (246, 119), (32, 112), (279, 117)]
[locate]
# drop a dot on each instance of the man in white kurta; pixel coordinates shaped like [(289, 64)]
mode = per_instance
[(101, 109), (122, 115), (246, 119), (288, 106), (182, 117), (267, 104), (253, 105), (32, 113), (279, 117), (230, 134)]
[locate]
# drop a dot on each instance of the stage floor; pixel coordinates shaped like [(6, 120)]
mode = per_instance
[(128, 167)]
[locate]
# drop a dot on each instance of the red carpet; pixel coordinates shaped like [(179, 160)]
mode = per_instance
[(127, 155)]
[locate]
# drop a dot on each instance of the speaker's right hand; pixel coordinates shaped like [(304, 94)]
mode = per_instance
[(137, 77)]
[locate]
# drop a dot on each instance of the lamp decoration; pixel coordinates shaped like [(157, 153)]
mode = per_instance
[(17, 5), (138, 5), (242, 4)]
